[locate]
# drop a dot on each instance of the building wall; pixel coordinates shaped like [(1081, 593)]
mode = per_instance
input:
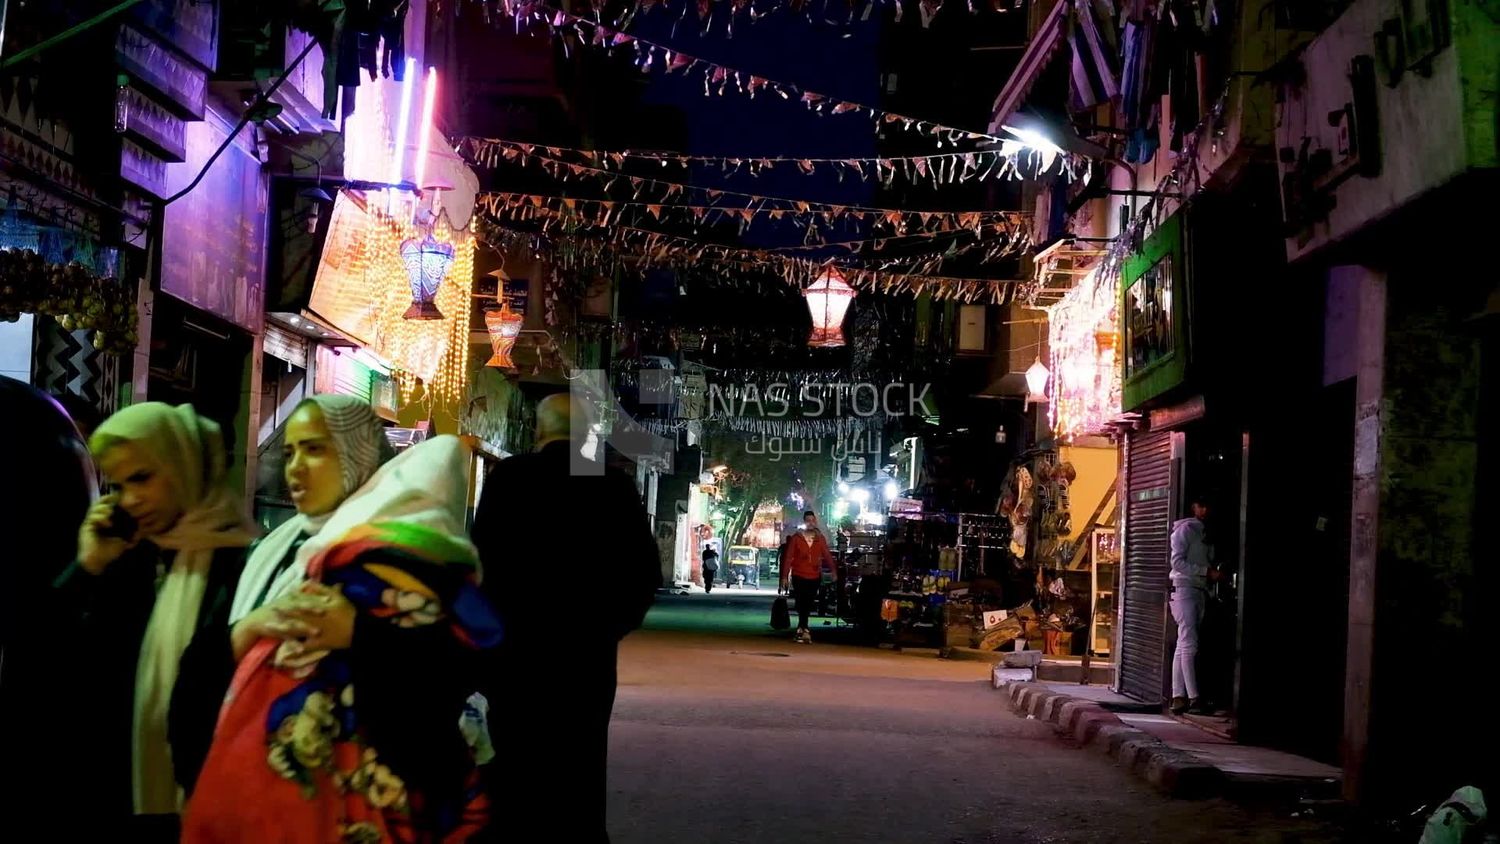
[(1097, 468), (1431, 127), (1428, 572)]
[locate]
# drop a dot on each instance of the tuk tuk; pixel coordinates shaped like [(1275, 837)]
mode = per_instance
[(743, 570)]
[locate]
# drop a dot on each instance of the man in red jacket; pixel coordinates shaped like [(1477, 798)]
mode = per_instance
[(806, 555)]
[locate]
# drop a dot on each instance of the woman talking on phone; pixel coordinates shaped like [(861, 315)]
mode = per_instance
[(158, 558)]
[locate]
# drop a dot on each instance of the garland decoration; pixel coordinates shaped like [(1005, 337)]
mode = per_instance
[(719, 79), (645, 250), (1013, 161)]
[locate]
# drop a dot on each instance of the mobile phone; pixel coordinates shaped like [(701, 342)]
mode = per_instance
[(122, 525)]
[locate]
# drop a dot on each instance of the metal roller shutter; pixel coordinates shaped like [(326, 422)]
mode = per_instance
[(1148, 524)]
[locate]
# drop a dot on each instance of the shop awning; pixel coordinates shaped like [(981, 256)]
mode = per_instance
[(1048, 37)]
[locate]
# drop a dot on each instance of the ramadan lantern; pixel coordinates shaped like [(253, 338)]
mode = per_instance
[(427, 261), (828, 299), (504, 326)]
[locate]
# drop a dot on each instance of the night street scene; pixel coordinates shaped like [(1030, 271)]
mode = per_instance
[(749, 421)]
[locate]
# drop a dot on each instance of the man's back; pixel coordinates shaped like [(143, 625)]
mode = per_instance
[(539, 525), (551, 684)]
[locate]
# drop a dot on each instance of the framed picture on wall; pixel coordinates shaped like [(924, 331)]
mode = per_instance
[(1152, 316)]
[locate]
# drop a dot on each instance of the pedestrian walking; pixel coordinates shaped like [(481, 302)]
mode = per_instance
[(551, 686), (1190, 558), (350, 729), (331, 445), (710, 567), (806, 555), (156, 562)]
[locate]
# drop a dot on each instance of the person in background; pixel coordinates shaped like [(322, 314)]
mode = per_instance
[(1190, 557), (344, 718), (805, 557), (331, 446), (551, 687), (710, 567), (49, 487), (157, 561)]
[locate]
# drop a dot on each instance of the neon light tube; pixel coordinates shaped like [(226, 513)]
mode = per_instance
[(398, 159), (424, 140)]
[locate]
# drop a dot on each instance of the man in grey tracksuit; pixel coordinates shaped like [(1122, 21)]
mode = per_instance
[(1190, 574)]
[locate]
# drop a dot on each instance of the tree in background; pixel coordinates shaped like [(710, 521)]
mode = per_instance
[(751, 479)]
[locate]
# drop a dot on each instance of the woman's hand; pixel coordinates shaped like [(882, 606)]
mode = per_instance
[(327, 612), (95, 550), (267, 622)]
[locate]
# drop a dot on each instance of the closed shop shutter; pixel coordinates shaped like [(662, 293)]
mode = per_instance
[(286, 346), (1148, 522)]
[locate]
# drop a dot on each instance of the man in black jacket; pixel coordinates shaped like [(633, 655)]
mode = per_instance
[(551, 686)]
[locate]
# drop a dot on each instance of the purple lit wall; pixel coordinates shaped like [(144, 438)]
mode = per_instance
[(214, 244)]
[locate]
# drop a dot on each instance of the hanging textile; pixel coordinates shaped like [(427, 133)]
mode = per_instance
[(1096, 79)]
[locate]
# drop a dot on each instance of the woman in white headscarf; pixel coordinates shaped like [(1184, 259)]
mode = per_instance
[(355, 654), (157, 560), (332, 445)]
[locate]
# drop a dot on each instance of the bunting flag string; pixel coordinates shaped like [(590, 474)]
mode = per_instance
[(606, 212), (719, 79), (707, 11), (658, 250), (1001, 244), (1014, 161)]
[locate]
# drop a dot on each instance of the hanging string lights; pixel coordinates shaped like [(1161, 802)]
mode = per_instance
[(1083, 339)]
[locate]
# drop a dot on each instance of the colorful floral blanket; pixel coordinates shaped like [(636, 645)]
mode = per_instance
[(291, 760)]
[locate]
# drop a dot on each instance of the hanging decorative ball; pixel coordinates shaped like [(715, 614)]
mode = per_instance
[(427, 261), (828, 300), (504, 326)]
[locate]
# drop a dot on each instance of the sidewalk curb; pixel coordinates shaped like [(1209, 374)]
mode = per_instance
[(1176, 772)]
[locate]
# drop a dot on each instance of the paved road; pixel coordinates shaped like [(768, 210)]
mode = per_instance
[(724, 732)]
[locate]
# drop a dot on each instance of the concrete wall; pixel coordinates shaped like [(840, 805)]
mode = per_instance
[(1431, 127), (1421, 568)]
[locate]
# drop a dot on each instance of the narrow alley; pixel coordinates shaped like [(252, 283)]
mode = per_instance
[(727, 732)]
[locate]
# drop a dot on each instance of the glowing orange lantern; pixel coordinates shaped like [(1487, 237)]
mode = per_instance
[(504, 326), (828, 299)]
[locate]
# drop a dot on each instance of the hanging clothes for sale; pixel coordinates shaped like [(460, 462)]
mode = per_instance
[(1137, 106), (1177, 63), (1095, 73)]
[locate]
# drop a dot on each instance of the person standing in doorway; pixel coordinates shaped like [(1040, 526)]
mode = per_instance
[(1190, 575), (710, 567), (806, 555)]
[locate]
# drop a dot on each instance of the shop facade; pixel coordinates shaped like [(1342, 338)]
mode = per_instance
[(1394, 146)]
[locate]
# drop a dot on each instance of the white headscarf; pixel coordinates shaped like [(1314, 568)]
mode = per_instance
[(362, 448), (189, 450)]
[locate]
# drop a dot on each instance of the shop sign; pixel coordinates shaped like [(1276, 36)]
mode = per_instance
[(518, 293), (993, 618), (905, 506)]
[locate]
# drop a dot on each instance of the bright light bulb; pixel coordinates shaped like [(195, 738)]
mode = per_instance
[(861, 495), (843, 488), (891, 491)]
